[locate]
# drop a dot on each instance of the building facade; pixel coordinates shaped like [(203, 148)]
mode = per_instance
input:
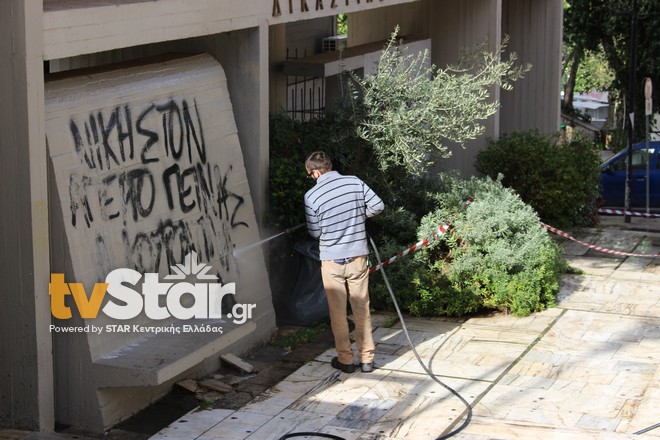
[(164, 133)]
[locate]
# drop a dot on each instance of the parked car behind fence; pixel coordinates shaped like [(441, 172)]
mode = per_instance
[(613, 177)]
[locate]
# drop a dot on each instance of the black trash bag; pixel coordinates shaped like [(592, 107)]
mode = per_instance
[(306, 304)]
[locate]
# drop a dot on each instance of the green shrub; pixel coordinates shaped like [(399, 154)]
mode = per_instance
[(495, 256), (559, 180), (399, 274), (406, 197), (290, 143)]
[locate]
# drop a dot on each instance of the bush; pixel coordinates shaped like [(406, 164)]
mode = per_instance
[(495, 256), (406, 197), (559, 180), (399, 275), (290, 143)]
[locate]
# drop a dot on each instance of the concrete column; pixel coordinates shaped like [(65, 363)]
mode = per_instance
[(26, 365), (457, 26), (535, 27), (244, 56), (277, 56)]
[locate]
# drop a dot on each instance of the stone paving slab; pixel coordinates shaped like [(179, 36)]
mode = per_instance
[(487, 429), (586, 369), (403, 402), (610, 295)]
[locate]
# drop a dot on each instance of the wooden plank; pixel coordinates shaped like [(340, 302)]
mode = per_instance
[(189, 385), (216, 385), (237, 362)]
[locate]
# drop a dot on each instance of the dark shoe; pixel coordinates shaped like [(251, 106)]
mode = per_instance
[(345, 368), (367, 367)]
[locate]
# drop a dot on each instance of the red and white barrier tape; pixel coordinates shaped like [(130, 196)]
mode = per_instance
[(442, 230), (593, 246), (620, 212)]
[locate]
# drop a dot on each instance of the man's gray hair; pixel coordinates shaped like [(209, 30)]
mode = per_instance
[(318, 160)]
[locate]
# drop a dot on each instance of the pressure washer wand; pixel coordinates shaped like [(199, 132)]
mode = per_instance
[(238, 251), (290, 230)]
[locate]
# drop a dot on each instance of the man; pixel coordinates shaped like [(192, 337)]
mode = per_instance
[(336, 209)]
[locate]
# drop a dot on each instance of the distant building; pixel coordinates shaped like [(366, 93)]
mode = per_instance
[(595, 105)]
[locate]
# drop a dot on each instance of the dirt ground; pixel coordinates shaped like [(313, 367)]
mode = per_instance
[(272, 364)]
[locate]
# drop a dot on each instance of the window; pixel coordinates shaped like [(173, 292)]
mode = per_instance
[(639, 160)]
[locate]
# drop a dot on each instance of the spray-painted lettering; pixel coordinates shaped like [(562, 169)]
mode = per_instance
[(110, 139), (155, 163)]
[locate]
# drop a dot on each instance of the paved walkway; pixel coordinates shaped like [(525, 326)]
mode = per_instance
[(587, 369)]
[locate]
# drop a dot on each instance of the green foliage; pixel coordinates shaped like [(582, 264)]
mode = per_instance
[(605, 26), (290, 143), (399, 274), (299, 337), (288, 178), (559, 180), (594, 73), (396, 224), (342, 24), (438, 296), (412, 108), (496, 255)]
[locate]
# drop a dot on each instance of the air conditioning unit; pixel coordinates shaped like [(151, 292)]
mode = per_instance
[(333, 43)]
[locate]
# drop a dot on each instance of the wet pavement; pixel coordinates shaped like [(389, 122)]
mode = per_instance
[(585, 369)]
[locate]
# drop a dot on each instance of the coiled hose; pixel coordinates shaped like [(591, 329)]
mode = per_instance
[(426, 369)]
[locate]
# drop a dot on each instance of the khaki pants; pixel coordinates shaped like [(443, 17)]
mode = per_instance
[(349, 280)]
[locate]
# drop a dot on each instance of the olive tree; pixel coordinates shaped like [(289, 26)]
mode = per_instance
[(410, 108)]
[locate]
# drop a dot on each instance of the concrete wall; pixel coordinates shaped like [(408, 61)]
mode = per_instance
[(378, 24), (244, 55), (305, 37), (535, 28), (244, 52), (458, 26), (276, 77), (148, 167), (91, 28), (26, 383)]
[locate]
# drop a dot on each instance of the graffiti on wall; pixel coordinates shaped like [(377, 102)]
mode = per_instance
[(147, 177)]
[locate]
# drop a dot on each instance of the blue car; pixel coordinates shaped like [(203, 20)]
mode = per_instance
[(613, 177)]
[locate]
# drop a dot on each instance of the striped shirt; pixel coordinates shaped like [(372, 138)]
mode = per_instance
[(336, 209)]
